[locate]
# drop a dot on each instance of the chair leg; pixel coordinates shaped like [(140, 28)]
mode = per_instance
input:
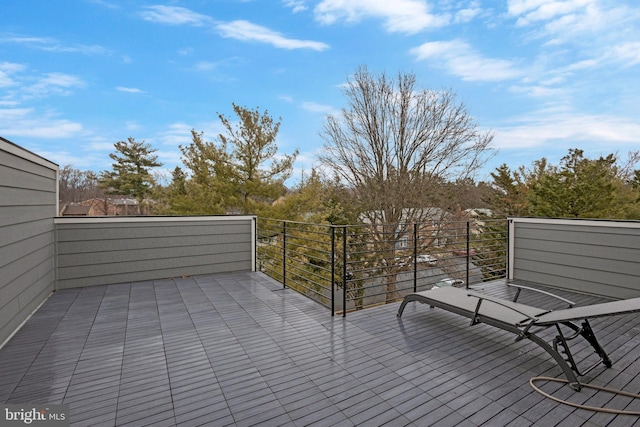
[(568, 372), (587, 333)]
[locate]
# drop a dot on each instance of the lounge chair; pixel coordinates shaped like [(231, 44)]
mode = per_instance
[(526, 321)]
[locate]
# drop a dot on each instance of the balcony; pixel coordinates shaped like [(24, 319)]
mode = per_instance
[(165, 321)]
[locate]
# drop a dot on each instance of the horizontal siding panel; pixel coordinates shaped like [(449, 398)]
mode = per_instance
[(112, 245), (42, 286), (10, 196), (136, 266), (125, 231), (118, 251), (22, 251), (10, 320), (16, 310), (581, 286), (18, 234), (594, 257), (28, 203), (12, 177), (26, 267), (558, 275), (614, 237), (556, 248), (14, 215), (141, 255), (157, 274), (575, 263), (19, 163)]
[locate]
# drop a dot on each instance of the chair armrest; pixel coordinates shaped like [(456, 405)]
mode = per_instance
[(523, 332), (499, 302), (520, 287)]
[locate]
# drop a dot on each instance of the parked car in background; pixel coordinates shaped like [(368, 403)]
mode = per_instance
[(456, 283), (428, 259)]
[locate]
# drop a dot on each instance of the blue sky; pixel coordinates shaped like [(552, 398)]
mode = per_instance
[(78, 75)]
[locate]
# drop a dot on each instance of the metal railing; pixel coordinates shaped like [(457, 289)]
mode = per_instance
[(381, 263)]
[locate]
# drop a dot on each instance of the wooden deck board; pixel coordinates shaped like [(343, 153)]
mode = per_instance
[(238, 349)]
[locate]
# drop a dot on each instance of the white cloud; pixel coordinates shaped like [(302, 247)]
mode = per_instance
[(590, 24), (554, 128), (296, 6), (106, 4), (218, 70), (52, 45), (100, 143), (545, 90), (26, 122), (404, 16), (23, 86), (6, 71), (185, 51), (206, 66), (63, 157), (626, 53), (176, 134), (239, 29), (52, 84), (132, 125), (128, 89), (247, 31), (315, 107), (531, 11), (460, 59), (466, 15), (174, 15)]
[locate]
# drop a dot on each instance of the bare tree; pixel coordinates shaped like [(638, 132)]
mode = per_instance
[(393, 145), (76, 185)]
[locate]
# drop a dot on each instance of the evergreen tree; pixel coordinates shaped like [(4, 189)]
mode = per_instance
[(578, 188), (256, 171), (510, 192), (131, 175), (210, 188)]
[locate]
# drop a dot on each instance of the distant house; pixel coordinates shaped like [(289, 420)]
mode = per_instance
[(75, 210), (432, 222), (109, 206)]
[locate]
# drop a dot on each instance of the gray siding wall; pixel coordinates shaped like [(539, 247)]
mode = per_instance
[(97, 251), (28, 204), (591, 256)]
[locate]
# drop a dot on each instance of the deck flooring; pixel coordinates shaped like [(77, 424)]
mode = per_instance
[(239, 350)]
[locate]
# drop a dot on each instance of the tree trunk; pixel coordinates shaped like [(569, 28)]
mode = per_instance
[(392, 293)]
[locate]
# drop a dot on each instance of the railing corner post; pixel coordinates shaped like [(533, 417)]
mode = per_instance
[(344, 271)]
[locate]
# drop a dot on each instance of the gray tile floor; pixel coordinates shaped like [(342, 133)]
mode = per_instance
[(237, 349)]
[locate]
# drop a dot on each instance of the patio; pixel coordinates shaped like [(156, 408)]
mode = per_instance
[(238, 349)]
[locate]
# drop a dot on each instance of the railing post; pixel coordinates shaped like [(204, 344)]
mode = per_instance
[(468, 253), (284, 254), (507, 268), (415, 257), (255, 243), (333, 271), (344, 271)]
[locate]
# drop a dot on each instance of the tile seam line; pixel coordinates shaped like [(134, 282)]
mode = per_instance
[(124, 343), (298, 330), (222, 318), (44, 345), (75, 368), (197, 332)]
